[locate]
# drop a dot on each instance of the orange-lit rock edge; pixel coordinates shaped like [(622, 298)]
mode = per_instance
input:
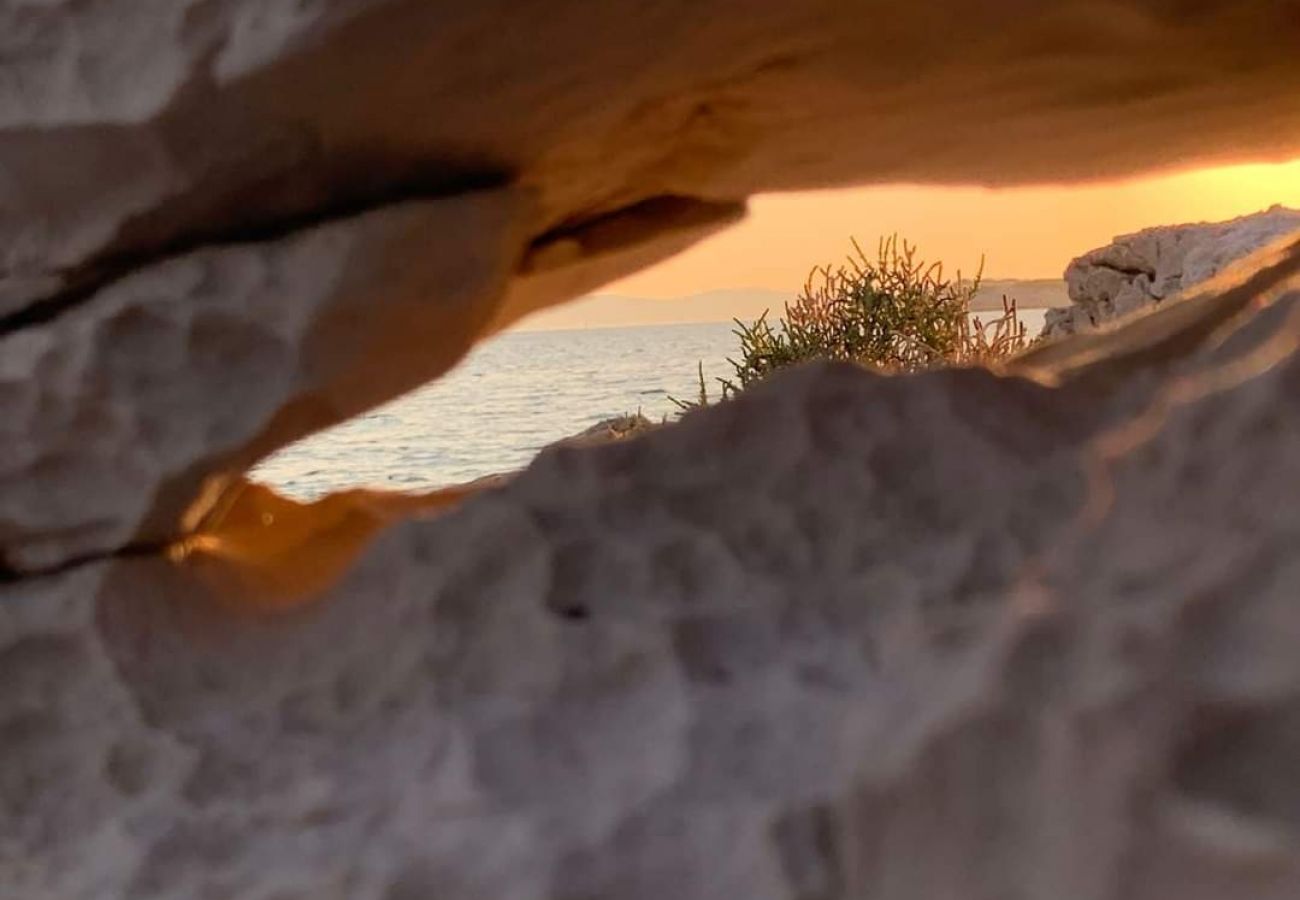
[(256, 549), (259, 550), (199, 133)]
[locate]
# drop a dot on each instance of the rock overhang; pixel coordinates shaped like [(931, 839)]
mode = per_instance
[(770, 652)]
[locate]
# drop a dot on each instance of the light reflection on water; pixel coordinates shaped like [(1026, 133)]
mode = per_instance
[(512, 396)]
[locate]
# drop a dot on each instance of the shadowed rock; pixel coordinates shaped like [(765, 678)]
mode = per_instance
[(957, 634), (1018, 634), (236, 127)]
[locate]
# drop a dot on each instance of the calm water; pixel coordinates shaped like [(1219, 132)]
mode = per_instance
[(508, 399), (512, 396)]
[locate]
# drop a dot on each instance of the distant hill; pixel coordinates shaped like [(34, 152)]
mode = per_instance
[(607, 310), (611, 311)]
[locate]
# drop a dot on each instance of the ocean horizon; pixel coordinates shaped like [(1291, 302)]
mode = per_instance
[(510, 397)]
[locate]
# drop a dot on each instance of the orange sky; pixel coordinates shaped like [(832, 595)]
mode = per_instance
[(1023, 232)]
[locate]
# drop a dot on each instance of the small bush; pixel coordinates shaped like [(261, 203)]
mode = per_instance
[(896, 313)]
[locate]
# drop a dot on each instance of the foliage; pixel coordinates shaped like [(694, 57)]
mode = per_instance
[(702, 398), (896, 313)]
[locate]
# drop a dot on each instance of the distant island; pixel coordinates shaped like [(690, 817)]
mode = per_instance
[(612, 311)]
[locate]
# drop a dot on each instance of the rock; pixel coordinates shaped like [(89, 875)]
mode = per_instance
[(125, 136), (961, 634), (608, 431), (114, 414), (620, 134), (955, 634), (1141, 270)]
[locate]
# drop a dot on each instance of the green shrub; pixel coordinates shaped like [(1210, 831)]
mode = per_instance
[(896, 313)]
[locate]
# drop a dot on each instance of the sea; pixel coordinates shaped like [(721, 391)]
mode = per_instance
[(509, 398)]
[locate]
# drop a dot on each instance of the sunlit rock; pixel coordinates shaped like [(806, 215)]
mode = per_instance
[(115, 413), (1141, 270), (958, 634), (608, 431), (186, 136), (127, 133), (1023, 634)]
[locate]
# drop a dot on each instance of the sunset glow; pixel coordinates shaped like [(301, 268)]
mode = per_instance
[(1022, 232)]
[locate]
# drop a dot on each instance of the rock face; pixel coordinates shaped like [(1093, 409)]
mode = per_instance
[(960, 634), (135, 146), (115, 413), (1022, 634), (618, 428), (1140, 270)]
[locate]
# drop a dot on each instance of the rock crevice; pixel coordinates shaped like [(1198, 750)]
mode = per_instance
[(80, 285)]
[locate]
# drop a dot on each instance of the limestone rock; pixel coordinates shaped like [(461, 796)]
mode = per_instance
[(128, 134), (956, 634), (124, 135), (608, 431), (953, 635), (1141, 270), (162, 138), (114, 414)]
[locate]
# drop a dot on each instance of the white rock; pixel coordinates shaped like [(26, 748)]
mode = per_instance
[(953, 635), (114, 414), (1140, 270), (126, 131), (847, 636)]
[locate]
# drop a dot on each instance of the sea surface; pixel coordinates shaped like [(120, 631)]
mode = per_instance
[(512, 396)]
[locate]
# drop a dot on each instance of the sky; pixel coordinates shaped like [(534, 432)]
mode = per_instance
[(1021, 232)]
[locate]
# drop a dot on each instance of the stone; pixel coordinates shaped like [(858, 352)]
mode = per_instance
[(611, 430), (965, 633), (116, 415), (1139, 271), (133, 144), (1022, 633), (124, 136)]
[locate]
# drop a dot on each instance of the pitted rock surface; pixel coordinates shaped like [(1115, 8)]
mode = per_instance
[(963, 634), (124, 133), (137, 142), (958, 634), (1139, 271), (111, 416)]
